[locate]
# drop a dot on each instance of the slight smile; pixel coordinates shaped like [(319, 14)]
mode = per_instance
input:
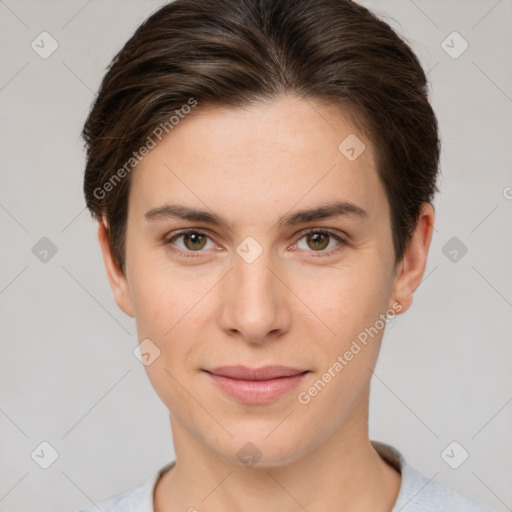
[(256, 385)]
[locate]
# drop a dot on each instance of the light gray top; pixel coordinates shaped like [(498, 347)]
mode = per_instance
[(416, 494)]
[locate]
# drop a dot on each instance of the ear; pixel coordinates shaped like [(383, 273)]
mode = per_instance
[(410, 270), (116, 277)]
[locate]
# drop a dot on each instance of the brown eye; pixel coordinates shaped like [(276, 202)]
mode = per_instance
[(320, 243), (191, 241), (194, 241), (317, 241)]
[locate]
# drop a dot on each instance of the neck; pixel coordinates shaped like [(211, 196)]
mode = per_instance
[(343, 472)]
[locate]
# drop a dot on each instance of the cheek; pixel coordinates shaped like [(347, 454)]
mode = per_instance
[(347, 299), (346, 358), (165, 315), (160, 293), (352, 304)]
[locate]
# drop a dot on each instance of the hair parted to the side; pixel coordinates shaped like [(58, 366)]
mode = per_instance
[(236, 52)]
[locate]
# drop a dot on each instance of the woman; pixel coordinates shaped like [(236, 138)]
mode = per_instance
[(262, 173)]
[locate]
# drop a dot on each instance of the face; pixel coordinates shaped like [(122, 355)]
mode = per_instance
[(252, 283)]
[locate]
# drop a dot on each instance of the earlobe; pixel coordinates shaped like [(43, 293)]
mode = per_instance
[(412, 267), (116, 277)]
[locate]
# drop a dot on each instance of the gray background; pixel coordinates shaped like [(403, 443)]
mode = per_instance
[(67, 372)]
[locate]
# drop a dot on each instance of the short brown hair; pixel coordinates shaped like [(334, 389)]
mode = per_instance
[(236, 52)]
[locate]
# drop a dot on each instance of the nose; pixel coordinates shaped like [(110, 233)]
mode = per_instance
[(254, 303)]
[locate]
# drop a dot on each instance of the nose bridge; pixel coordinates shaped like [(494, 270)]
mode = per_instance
[(252, 263), (254, 278), (252, 300)]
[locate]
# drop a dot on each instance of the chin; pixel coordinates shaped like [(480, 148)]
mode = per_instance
[(261, 450)]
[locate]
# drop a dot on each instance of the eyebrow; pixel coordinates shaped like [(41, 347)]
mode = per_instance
[(329, 210)]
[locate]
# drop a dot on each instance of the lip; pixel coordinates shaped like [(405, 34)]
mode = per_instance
[(256, 385)]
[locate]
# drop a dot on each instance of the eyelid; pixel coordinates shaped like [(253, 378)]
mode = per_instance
[(341, 239)]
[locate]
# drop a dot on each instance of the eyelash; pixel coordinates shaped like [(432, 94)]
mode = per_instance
[(190, 254)]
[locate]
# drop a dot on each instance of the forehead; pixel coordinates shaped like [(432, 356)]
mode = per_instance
[(258, 158)]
